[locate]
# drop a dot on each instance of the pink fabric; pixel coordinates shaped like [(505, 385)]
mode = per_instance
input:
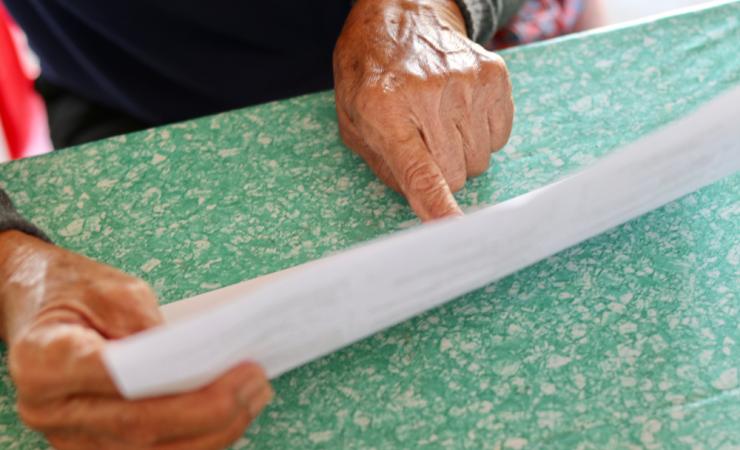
[(539, 20), (22, 112)]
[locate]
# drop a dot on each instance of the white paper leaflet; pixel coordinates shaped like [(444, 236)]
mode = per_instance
[(320, 307)]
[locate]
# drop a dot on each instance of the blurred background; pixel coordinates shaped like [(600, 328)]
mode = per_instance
[(23, 129), (622, 10)]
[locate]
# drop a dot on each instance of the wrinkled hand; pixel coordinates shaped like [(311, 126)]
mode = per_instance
[(419, 101), (58, 310)]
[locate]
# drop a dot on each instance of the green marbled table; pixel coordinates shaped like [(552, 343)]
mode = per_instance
[(630, 340)]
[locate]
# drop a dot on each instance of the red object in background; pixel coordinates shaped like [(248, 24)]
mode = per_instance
[(22, 112), (538, 20)]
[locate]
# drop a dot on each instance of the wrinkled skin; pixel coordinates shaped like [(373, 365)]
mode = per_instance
[(420, 102), (58, 311)]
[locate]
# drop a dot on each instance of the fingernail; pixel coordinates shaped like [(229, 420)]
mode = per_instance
[(260, 401), (247, 391)]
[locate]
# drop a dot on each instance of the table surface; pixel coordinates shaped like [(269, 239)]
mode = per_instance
[(630, 340)]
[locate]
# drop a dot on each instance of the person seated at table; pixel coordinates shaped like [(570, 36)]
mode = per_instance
[(417, 95)]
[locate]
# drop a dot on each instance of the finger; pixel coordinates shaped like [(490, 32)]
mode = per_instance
[(352, 139), (496, 92), (446, 147), (478, 153), (379, 167), (59, 359), (227, 436), (420, 179), (218, 439), (214, 441), (444, 143), (494, 99), (79, 441), (123, 308), (189, 415), (112, 302), (259, 401), (479, 157), (442, 135), (501, 119), (148, 421), (59, 355)]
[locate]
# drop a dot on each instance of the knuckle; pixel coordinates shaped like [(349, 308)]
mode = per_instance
[(127, 420), (62, 442), (138, 289), (57, 442), (259, 373), (238, 431), (223, 405), (124, 292), (502, 124), (456, 183), (494, 73), (370, 99), (493, 62), (480, 167), (347, 138), (224, 408), (29, 364), (132, 296), (422, 177), (142, 437), (348, 135), (36, 419), (130, 306), (132, 426), (19, 365), (503, 113), (29, 383)]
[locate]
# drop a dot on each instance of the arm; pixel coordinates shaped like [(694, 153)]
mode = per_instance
[(57, 311), (420, 101)]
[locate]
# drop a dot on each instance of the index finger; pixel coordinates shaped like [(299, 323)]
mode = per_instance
[(421, 179), (59, 358), (241, 392)]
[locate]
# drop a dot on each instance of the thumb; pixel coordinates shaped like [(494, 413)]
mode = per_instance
[(122, 306), (421, 180)]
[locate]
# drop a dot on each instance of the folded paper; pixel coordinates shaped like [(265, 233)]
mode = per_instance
[(315, 309)]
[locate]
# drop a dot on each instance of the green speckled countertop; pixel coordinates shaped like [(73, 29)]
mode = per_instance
[(630, 340)]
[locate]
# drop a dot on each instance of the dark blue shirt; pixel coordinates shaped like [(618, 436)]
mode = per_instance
[(168, 60)]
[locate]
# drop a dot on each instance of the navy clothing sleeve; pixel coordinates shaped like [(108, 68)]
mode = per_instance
[(484, 17), (11, 220), (162, 61)]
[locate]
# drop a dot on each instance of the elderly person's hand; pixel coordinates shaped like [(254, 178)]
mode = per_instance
[(423, 105), (57, 311)]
